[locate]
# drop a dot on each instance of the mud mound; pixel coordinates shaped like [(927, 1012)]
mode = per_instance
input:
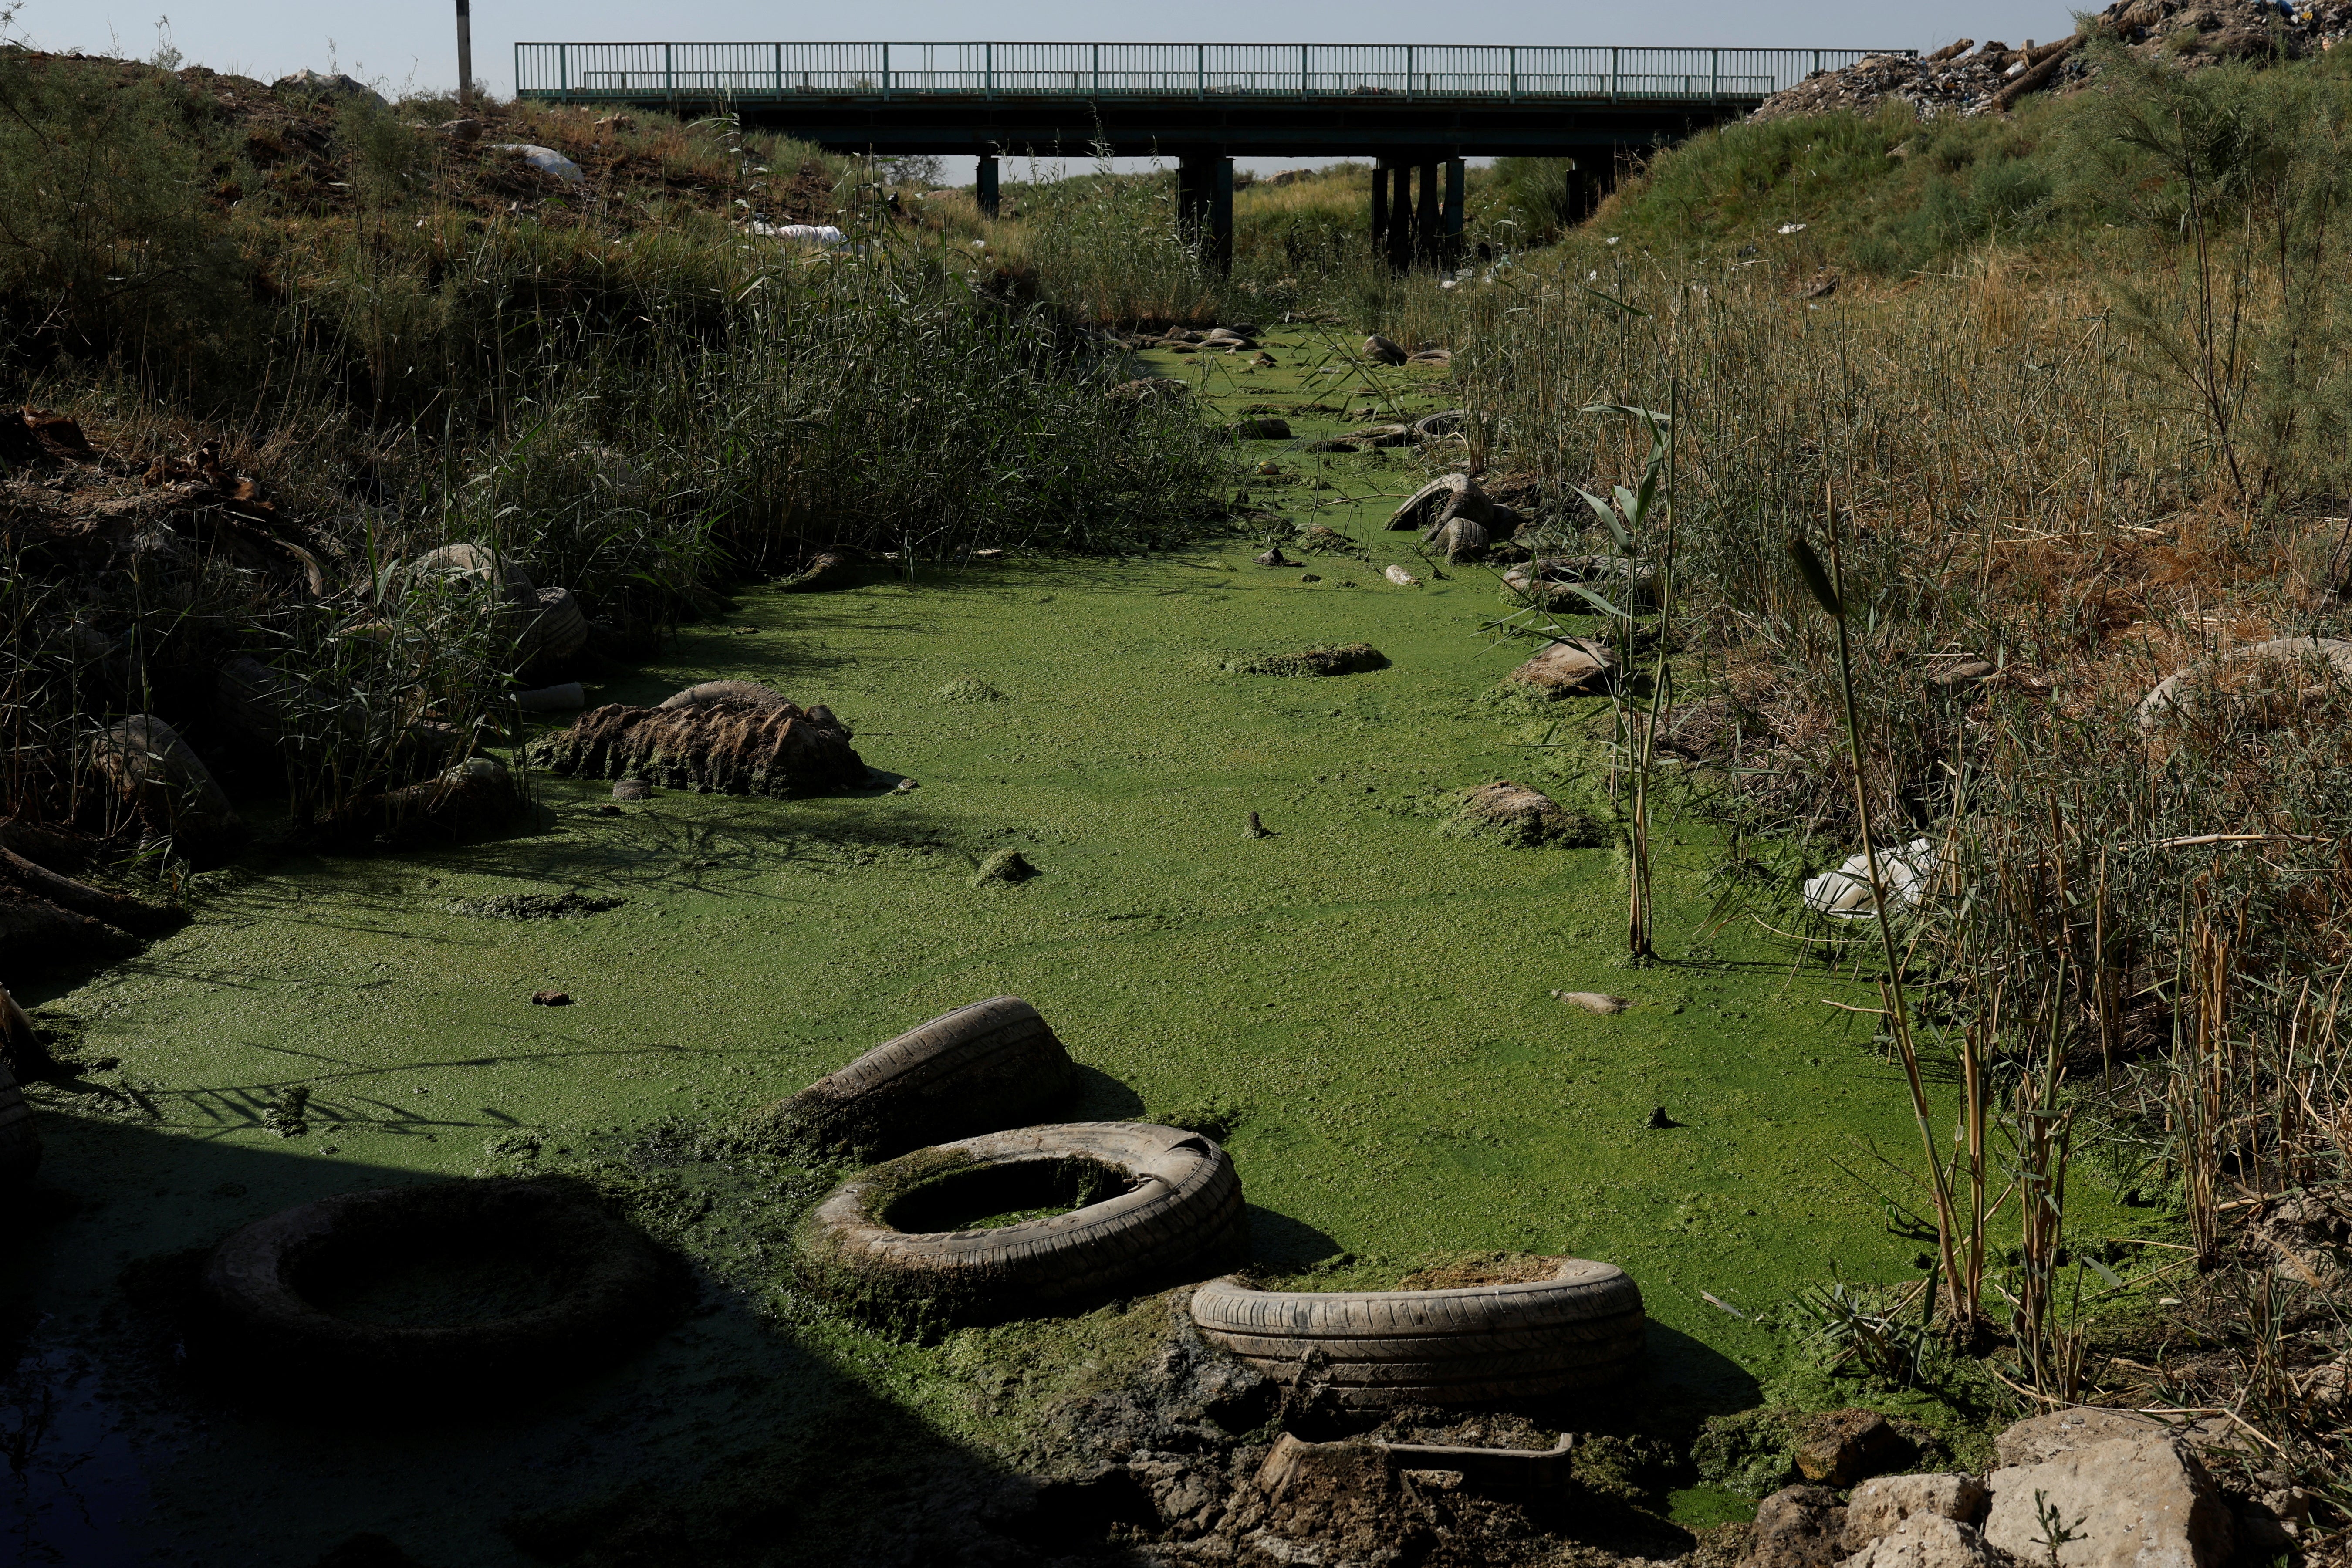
[(725, 747), (1348, 659), (1525, 818), (537, 906)]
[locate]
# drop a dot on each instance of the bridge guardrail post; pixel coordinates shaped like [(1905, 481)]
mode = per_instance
[(1304, 89), (1715, 74), (1200, 70), (988, 65), (885, 70), (1098, 70), (670, 70), (1612, 75), (1515, 73), (1408, 71), (563, 68)]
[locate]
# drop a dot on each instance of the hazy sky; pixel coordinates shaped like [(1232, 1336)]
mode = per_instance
[(411, 41)]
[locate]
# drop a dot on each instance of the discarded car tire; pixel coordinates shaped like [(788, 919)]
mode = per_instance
[(1582, 1327), (1177, 1204), (289, 1292), (993, 1063), (711, 691), (20, 1142), (557, 629)]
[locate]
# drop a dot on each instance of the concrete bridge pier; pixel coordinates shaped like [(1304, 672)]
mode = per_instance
[(1204, 206), (984, 184), (1417, 211)]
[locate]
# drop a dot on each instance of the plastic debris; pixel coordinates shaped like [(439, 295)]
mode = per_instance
[(1904, 873), (547, 160)]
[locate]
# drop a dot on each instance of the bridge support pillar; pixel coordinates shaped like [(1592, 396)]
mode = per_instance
[(1425, 217), (1204, 206), (985, 185), (1579, 203), (1400, 230), (1450, 213)]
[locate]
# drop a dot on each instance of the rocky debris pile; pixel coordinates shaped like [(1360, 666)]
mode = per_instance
[(1969, 77), (728, 746), (2198, 32), (1954, 79), (2129, 1487)]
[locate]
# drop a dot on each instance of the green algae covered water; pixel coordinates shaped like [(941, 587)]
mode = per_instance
[(1364, 1001)]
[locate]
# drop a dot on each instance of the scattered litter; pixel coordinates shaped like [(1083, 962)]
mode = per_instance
[(1722, 1306), (1791, 228), (1401, 577), (815, 235), (546, 159), (1845, 892)]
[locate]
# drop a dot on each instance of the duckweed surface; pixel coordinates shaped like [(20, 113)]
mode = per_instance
[(1361, 1003)]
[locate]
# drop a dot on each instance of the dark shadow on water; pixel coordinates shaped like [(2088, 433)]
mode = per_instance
[(1095, 1096), (1283, 1242), (114, 1451)]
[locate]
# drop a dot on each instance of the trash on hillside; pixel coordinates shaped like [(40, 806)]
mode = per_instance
[(1904, 873), (546, 159)]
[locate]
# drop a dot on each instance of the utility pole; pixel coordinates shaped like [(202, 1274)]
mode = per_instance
[(464, 54)]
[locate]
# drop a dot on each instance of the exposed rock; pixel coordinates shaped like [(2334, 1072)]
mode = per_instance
[(632, 789), (1380, 351), (1525, 817), (1570, 666), (729, 747), (1400, 576), (2133, 1502), (1797, 1527), (1879, 1505), (1924, 1540), (2041, 1437), (1845, 1446), (1273, 557), (1628, 585)]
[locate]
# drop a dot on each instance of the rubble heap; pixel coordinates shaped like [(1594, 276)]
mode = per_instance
[(1971, 77)]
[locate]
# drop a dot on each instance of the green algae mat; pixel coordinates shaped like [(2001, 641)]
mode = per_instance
[(1363, 1001)]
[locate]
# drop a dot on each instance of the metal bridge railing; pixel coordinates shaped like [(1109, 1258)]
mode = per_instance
[(589, 72)]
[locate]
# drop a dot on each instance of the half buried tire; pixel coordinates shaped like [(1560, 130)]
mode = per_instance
[(956, 1233), (979, 1067), (471, 1281), (1583, 1326), (20, 1144)]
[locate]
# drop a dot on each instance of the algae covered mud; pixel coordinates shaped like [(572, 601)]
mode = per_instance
[(1359, 1003)]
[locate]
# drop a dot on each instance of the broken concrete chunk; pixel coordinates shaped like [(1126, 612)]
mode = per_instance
[(1568, 666), (1797, 1527), (1924, 1540), (2131, 1502), (1878, 1506), (1845, 1446)]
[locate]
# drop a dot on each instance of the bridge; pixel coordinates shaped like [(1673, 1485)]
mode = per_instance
[(1418, 110)]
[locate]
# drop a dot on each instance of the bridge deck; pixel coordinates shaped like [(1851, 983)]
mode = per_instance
[(1278, 98)]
